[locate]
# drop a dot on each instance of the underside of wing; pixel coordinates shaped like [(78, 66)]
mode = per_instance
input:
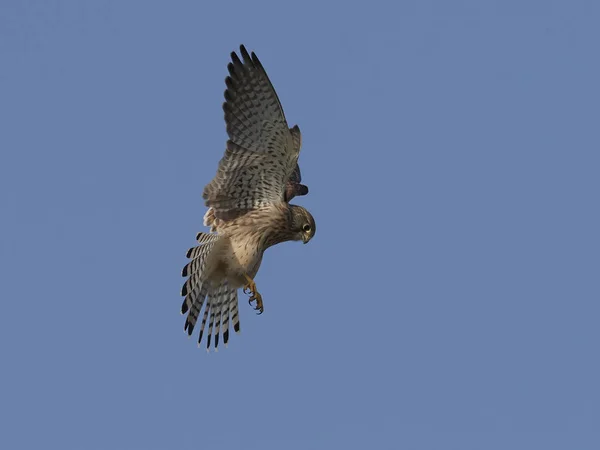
[(262, 152)]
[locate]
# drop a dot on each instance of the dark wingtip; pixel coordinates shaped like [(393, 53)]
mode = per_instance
[(302, 189), (236, 327), (245, 54), (236, 66), (231, 67), (184, 290), (184, 307), (189, 252), (256, 61)]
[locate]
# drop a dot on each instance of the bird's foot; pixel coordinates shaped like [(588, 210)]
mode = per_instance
[(250, 289), (259, 303)]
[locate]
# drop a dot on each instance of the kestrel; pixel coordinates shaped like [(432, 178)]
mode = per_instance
[(248, 209)]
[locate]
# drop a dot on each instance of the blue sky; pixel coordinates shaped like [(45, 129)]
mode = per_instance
[(450, 298)]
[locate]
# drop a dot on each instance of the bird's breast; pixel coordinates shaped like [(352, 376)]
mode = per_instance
[(244, 256)]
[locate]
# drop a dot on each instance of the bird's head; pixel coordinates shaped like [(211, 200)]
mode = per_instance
[(302, 224)]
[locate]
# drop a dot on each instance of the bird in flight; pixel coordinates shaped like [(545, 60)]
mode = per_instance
[(248, 202)]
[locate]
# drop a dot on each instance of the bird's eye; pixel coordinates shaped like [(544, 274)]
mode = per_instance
[(306, 227)]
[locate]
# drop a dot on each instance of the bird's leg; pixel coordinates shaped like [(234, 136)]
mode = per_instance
[(250, 288)]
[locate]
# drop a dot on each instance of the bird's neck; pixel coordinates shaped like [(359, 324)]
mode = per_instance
[(277, 232)]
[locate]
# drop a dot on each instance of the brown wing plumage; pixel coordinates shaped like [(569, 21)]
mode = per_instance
[(293, 186), (262, 152)]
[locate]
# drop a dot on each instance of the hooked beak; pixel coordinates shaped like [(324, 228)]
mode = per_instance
[(305, 238)]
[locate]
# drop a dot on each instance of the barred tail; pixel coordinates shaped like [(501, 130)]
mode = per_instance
[(221, 301)]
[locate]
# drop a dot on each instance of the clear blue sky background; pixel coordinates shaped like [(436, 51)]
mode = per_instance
[(450, 299)]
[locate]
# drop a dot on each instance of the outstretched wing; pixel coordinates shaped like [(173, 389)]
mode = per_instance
[(262, 152)]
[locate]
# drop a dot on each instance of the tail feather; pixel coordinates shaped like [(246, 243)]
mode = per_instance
[(194, 302), (194, 290), (225, 319), (218, 312), (233, 309), (215, 308), (219, 302), (204, 239), (206, 310)]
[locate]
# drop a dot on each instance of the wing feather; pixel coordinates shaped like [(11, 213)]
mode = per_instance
[(262, 152)]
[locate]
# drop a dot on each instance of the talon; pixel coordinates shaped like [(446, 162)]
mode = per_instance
[(250, 289), (259, 304)]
